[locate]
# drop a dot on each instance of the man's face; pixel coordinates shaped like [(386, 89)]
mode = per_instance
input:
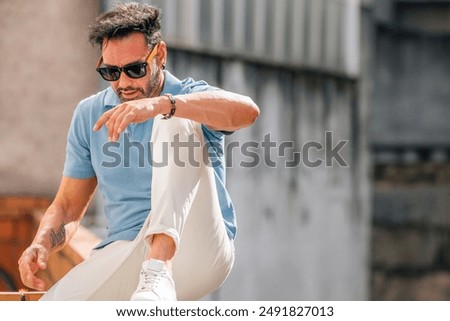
[(125, 51)]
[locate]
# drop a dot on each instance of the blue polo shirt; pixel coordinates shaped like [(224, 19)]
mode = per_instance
[(123, 168)]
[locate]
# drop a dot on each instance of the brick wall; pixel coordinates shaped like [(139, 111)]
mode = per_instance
[(17, 229), (19, 219)]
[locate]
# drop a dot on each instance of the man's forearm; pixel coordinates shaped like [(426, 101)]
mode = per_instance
[(56, 228), (219, 110), (61, 219), (58, 237), (53, 232)]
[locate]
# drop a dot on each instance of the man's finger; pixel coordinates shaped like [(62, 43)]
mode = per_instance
[(114, 126), (38, 284), (116, 123), (103, 119), (42, 258), (34, 282), (25, 271), (124, 120), (28, 277)]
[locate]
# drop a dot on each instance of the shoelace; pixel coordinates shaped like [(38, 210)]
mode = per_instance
[(151, 279)]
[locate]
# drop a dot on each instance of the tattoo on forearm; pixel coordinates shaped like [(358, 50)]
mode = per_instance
[(59, 237)]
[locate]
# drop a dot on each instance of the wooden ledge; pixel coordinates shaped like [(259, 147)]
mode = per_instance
[(21, 296)]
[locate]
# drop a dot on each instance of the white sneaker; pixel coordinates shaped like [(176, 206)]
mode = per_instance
[(155, 283)]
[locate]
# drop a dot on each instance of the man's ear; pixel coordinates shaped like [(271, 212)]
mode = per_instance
[(162, 54)]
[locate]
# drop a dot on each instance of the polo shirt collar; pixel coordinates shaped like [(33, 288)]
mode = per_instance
[(172, 85), (111, 99)]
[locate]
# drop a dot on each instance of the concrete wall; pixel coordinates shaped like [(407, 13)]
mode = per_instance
[(303, 233), (319, 35), (47, 66)]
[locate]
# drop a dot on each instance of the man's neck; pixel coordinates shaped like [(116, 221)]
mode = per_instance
[(160, 87)]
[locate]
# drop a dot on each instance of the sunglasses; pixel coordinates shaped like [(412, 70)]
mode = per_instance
[(135, 70)]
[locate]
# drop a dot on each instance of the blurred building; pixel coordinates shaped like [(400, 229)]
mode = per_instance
[(410, 136)]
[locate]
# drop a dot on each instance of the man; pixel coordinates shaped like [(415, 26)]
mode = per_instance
[(171, 223)]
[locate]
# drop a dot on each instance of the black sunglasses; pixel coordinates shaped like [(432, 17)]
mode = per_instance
[(134, 70)]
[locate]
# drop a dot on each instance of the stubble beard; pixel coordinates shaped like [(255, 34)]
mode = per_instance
[(150, 89)]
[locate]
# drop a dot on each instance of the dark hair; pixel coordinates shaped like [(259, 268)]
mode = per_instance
[(125, 19)]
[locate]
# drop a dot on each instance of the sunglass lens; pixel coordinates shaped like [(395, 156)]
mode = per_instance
[(136, 71), (110, 74)]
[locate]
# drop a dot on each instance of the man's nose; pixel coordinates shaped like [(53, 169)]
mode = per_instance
[(124, 81)]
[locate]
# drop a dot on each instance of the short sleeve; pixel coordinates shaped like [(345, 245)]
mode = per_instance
[(78, 155), (191, 86)]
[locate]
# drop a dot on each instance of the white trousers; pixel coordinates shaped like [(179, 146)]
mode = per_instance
[(185, 206)]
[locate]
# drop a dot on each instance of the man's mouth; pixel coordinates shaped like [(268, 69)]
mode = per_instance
[(128, 92)]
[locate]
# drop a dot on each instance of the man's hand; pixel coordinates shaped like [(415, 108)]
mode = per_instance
[(33, 258), (118, 118)]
